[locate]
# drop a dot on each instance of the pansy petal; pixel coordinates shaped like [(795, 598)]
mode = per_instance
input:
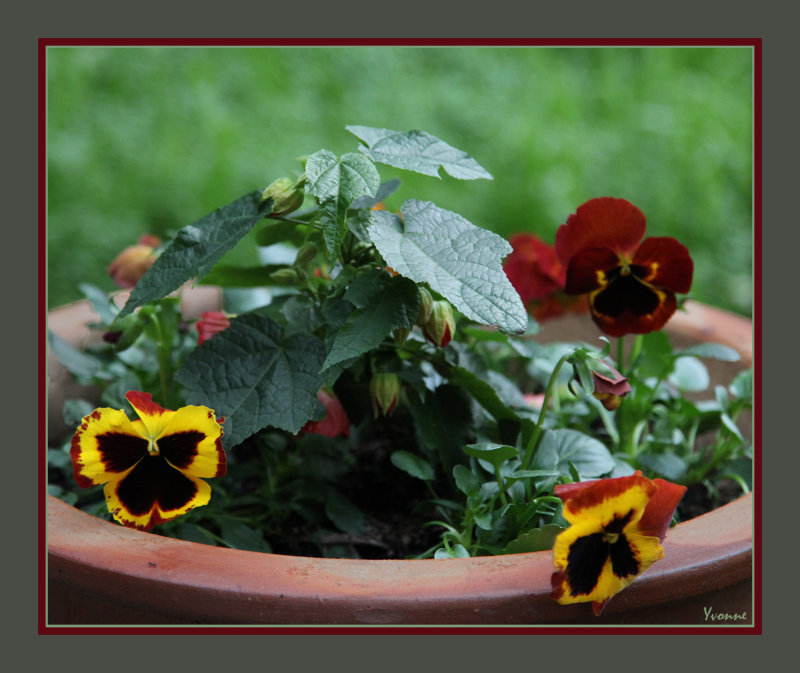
[(631, 306), (605, 499), (604, 222), (591, 269), (191, 441), (659, 511), (667, 263), (153, 492), (106, 445), (153, 415), (589, 569)]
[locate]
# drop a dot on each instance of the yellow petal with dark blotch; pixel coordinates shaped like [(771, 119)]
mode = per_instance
[(596, 576), (106, 444), (153, 493), (191, 441), (607, 500)]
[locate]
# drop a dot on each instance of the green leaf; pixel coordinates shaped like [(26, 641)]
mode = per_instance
[(239, 535), (657, 356), (496, 454), (345, 514), (256, 376), (458, 260), (689, 375), (667, 465), (100, 301), (76, 361), (558, 448), (742, 385), (226, 275), (383, 304), (711, 350), (484, 393), (412, 464), (418, 151), (337, 183), (466, 480), (537, 539), (197, 248)]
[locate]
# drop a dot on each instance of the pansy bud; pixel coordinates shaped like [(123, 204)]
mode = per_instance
[(287, 195), (441, 324), (610, 389), (425, 306), (133, 262), (384, 389)]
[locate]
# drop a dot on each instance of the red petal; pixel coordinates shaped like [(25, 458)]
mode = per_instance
[(533, 268), (668, 261), (335, 422), (589, 493), (144, 402), (660, 508), (605, 222)]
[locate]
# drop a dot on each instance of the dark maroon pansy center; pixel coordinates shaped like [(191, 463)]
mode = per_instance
[(119, 451), (153, 481), (588, 554), (626, 292)]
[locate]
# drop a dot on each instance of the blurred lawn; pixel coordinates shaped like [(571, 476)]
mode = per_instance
[(149, 139)]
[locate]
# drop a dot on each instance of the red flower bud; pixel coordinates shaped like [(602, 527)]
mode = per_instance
[(441, 324), (384, 389), (133, 262), (334, 423), (211, 323)]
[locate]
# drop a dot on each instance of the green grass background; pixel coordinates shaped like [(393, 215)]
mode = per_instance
[(149, 139)]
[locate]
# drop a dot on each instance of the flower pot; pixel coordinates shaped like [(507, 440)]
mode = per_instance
[(102, 573)]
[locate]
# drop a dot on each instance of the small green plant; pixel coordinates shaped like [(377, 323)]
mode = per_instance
[(395, 369)]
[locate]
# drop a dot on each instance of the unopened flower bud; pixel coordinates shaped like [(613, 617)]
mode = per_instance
[(211, 323), (133, 262), (610, 389), (425, 306), (285, 276), (401, 334), (287, 195), (384, 389), (441, 324), (306, 254)]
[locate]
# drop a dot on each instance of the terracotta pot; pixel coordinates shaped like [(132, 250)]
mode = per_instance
[(103, 573)]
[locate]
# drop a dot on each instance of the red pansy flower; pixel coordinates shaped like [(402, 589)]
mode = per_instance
[(631, 284), (615, 534), (535, 272)]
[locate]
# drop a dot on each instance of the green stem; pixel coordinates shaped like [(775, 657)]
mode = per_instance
[(621, 353), (164, 351), (537, 431)]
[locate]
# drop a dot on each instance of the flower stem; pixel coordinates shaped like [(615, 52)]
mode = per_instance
[(537, 431)]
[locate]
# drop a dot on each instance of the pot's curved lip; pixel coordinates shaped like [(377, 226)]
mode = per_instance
[(168, 576)]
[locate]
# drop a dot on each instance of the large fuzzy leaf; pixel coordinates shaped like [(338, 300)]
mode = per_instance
[(338, 182), (197, 248), (418, 151), (458, 260), (256, 376)]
